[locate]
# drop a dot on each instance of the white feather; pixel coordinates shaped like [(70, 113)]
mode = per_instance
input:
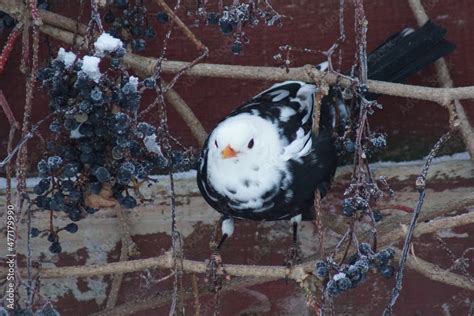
[(228, 226)]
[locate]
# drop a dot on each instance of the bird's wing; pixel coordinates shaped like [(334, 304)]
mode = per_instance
[(290, 106)]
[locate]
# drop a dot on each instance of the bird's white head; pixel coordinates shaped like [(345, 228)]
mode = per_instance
[(243, 156)]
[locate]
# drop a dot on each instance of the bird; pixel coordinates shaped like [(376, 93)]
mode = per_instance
[(263, 162)]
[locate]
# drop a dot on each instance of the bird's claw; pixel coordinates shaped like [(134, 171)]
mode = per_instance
[(215, 272), (293, 256)]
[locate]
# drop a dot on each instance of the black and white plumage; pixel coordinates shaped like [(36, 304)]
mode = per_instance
[(262, 161)]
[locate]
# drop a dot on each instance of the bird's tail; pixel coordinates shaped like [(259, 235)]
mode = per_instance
[(405, 53), (399, 57)]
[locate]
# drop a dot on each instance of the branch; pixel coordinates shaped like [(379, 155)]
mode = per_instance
[(145, 66), (435, 273), (456, 110), (429, 227)]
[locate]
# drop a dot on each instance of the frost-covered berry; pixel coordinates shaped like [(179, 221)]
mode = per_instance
[(146, 129), (363, 264), (321, 269), (332, 288), (149, 83), (384, 256), (96, 95), (347, 207), (54, 162), (349, 146), (124, 176), (102, 174), (354, 274), (55, 126), (342, 281), (365, 249), (42, 167)]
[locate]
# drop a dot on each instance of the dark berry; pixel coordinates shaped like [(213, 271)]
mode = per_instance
[(136, 30), (102, 174), (120, 52), (226, 26), (115, 62), (34, 232), (321, 269), (354, 274), (236, 47), (365, 249), (128, 202), (91, 210), (109, 17), (67, 185), (121, 3), (54, 162), (162, 17), (343, 282), (71, 228), (212, 18), (332, 288), (149, 32), (363, 265), (349, 146), (146, 129), (387, 271), (96, 95), (74, 214), (347, 207), (55, 247), (149, 82), (74, 196), (377, 215), (384, 256), (138, 45), (42, 186), (55, 126), (42, 168), (52, 237)]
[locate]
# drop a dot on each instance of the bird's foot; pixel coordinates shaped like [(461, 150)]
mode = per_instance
[(293, 256), (215, 272)]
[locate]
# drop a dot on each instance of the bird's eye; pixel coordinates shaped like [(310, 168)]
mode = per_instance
[(215, 142), (250, 145)]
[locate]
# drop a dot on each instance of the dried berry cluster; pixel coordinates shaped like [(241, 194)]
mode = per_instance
[(233, 18), (130, 23), (339, 279), (98, 148)]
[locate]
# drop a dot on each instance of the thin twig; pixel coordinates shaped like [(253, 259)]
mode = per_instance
[(421, 186)]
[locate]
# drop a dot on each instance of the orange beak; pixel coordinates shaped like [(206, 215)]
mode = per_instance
[(229, 152)]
